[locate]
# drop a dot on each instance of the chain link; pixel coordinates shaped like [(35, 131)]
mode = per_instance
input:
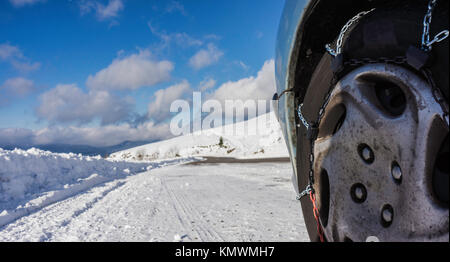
[(309, 190), (305, 192), (399, 60), (310, 187), (426, 43), (342, 33), (427, 46), (437, 95), (301, 117)]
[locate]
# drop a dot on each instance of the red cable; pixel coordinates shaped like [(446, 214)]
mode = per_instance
[(312, 196)]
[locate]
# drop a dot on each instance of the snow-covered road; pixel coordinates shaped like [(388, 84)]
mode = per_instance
[(208, 202)]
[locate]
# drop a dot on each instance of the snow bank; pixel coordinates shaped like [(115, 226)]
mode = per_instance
[(36, 178), (267, 142)]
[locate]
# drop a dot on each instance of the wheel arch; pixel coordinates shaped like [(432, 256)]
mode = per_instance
[(319, 24)]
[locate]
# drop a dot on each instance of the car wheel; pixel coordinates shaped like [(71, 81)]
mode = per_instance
[(380, 155)]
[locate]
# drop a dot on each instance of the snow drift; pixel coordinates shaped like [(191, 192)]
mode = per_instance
[(36, 178)]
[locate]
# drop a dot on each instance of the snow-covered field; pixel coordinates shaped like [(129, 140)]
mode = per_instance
[(157, 197)]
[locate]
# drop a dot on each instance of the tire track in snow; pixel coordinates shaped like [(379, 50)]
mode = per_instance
[(198, 217), (128, 197), (91, 203), (78, 183), (53, 220), (51, 198), (189, 217), (105, 216), (181, 214)]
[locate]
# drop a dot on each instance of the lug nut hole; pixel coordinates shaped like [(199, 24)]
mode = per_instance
[(366, 153), (396, 173), (358, 193), (387, 215)]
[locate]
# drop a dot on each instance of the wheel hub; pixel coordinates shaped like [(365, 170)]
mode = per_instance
[(374, 156)]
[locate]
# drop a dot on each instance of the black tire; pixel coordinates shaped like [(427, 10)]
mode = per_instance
[(385, 32)]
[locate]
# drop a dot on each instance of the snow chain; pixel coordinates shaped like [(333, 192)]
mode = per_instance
[(416, 57)]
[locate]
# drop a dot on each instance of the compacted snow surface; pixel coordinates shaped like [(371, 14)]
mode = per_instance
[(46, 196)]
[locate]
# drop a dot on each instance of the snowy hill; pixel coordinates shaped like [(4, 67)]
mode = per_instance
[(268, 142)]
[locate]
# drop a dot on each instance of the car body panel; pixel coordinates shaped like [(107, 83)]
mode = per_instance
[(293, 13)]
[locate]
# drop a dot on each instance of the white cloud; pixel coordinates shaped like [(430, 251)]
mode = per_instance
[(183, 39), (180, 39), (261, 87), (159, 108), (110, 10), (251, 89), (100, 136), (8, 51), (212, 37), (206, 84), (132, 72), (16, 137), (176, 6), (102, 11), (18, 86), (14, 56), (69, 104), (242, 65), (205, 57), (25, 66), (21, 3), (94, 136)]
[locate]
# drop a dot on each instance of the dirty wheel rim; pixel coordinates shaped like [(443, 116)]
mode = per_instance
[(374, 158)]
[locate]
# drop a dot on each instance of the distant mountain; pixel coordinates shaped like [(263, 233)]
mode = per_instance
[(81, 149)]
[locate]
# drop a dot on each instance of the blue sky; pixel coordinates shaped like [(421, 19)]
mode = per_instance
[(80, 70)]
